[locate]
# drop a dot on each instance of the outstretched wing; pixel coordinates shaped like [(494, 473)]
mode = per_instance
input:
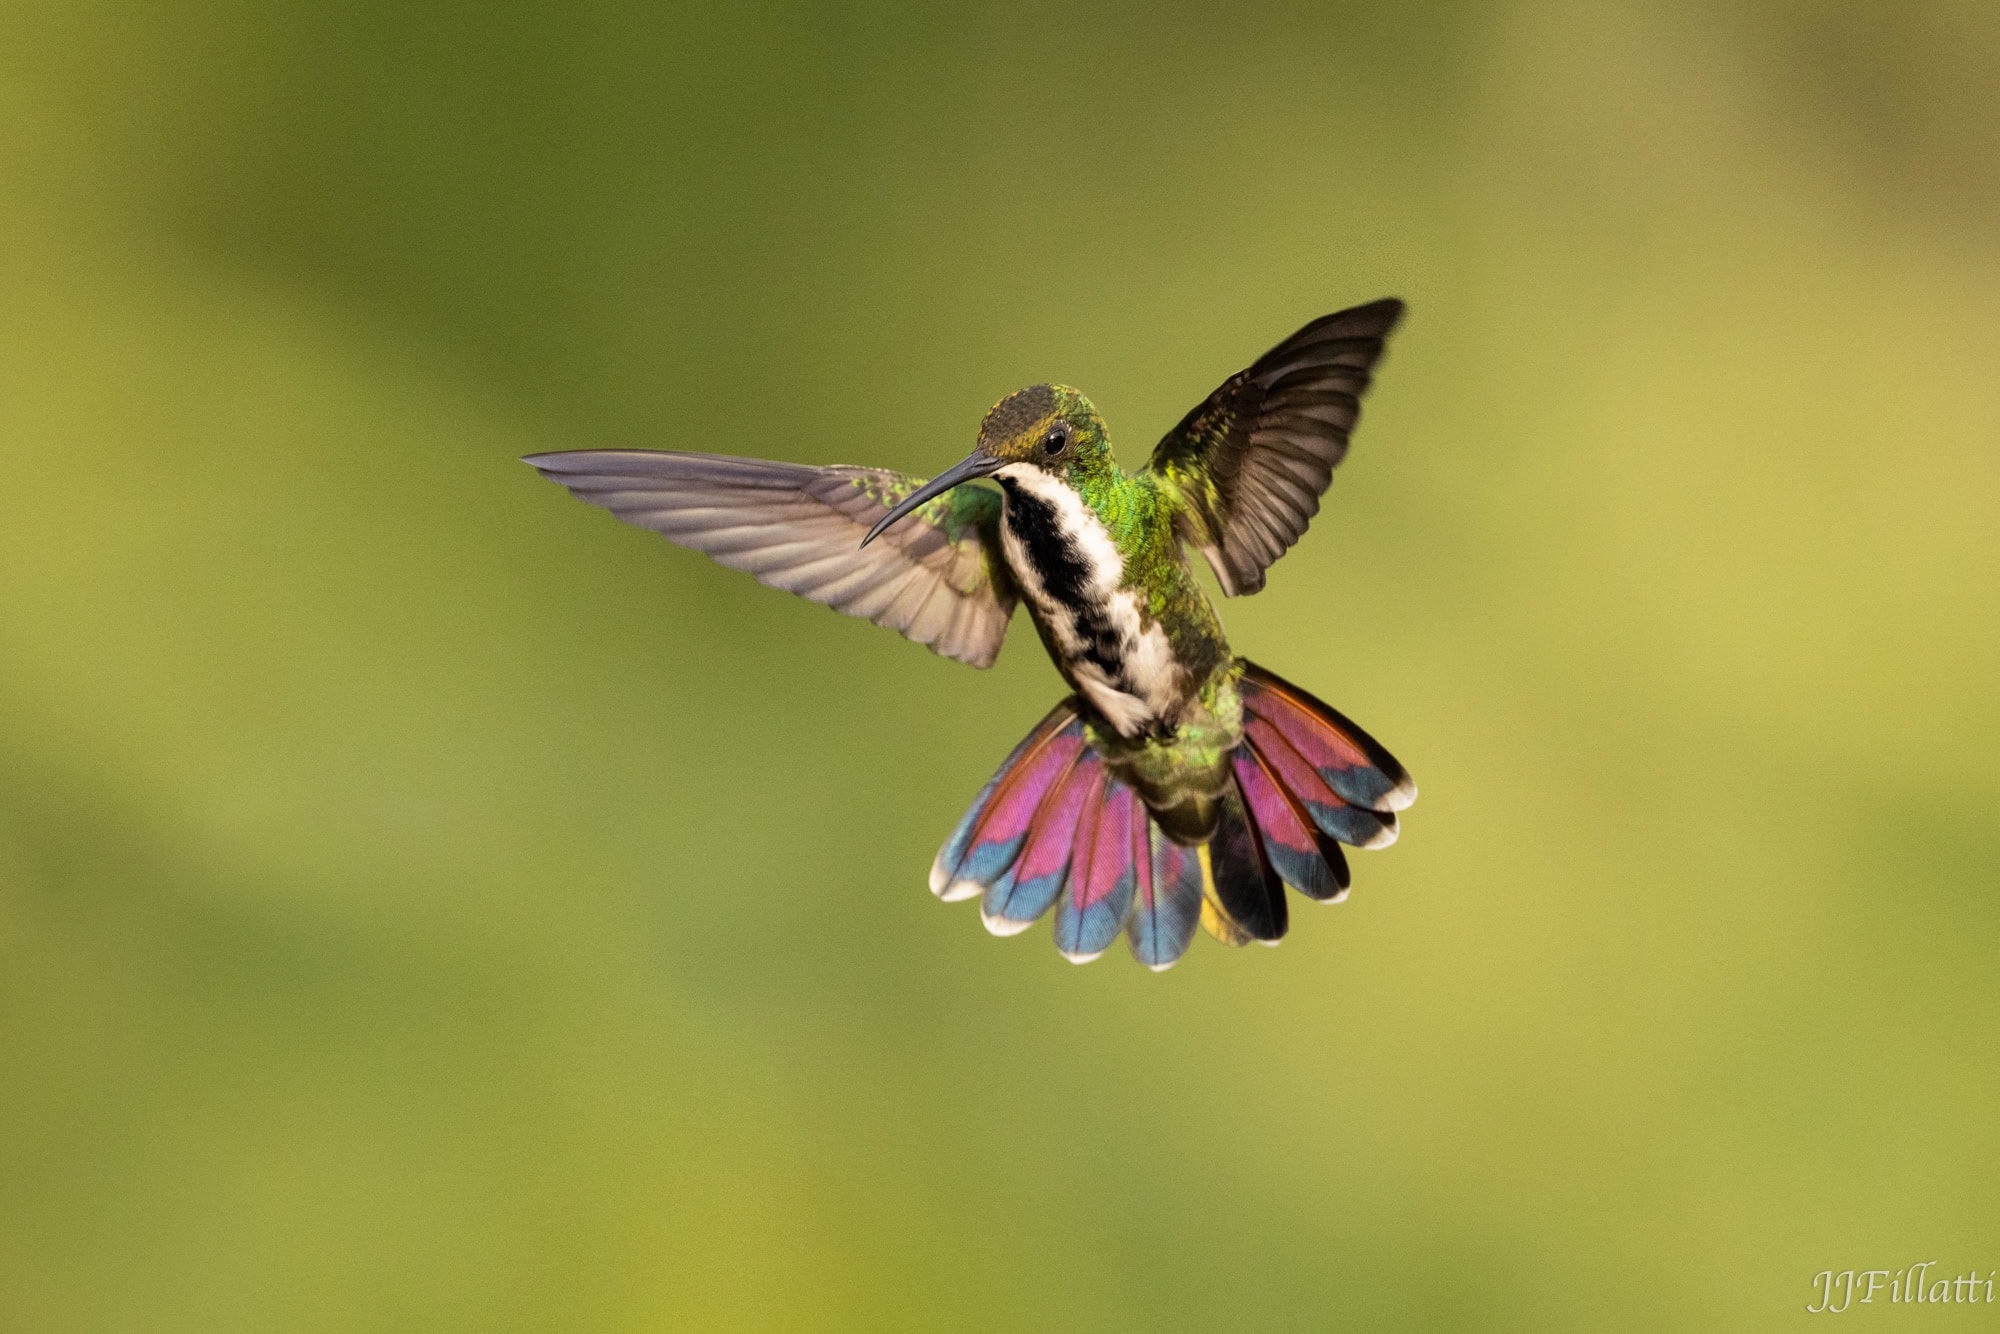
[(936, 578), (1252, 461)]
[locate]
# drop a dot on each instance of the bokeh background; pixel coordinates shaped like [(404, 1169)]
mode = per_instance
[(426, 904)]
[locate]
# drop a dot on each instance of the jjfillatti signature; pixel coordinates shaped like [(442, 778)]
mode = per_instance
[(1836, 1291)]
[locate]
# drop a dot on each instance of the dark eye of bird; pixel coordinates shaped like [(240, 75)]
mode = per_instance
[(1053, 442)]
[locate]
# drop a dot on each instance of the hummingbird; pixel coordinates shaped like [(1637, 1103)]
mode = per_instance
[(1178, 783)]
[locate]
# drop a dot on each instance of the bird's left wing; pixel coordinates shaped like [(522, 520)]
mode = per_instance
[(1251, 461), (938, 580)]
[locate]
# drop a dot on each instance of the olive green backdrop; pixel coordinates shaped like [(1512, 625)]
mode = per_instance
[(426, 904)]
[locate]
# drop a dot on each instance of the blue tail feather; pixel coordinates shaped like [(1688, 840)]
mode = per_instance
[(1167, 907)]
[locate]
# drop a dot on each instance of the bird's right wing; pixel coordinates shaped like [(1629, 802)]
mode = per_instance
[(938, 579), (1252, 459)]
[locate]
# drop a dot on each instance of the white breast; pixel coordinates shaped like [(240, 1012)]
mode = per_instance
[(1141, 682)]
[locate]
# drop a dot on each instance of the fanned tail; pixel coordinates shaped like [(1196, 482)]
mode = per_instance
[(1057, 828), (1242, 897)]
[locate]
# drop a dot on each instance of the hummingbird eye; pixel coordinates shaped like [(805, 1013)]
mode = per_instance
[(1053, 442)]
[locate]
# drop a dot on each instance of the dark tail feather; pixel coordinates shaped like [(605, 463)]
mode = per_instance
[(1242, 897)]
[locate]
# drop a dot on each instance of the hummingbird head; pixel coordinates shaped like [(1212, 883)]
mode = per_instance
[(1047, 426)]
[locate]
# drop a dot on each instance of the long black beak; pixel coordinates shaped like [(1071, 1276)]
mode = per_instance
[(977, 464)]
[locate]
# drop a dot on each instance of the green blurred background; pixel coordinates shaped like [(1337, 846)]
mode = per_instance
[(427, 904)]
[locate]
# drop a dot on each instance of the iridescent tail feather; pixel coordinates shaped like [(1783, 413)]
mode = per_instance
[(1166, 913), (1057, 828)]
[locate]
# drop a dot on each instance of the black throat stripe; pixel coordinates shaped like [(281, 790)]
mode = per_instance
[(1064, 576)]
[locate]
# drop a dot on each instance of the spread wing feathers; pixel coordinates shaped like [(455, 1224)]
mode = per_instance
[(939, 581), (1253, 459)]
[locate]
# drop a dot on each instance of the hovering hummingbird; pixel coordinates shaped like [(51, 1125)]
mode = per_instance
[(1179, 783)]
